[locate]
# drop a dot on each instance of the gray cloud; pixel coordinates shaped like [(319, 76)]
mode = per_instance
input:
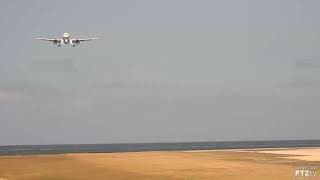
[(52, 65), (304, 83), (307, 63)]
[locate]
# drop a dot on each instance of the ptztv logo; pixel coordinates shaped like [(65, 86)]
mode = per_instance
[(306, 171)]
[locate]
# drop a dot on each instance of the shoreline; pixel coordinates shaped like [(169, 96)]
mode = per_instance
[(143, 147), (295, 153)]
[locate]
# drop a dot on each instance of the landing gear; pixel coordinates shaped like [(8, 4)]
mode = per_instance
[(59, 45), (73, 45)]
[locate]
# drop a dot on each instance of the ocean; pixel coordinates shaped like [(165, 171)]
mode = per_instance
[(135, 147)]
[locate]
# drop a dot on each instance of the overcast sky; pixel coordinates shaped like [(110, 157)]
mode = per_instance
[(162, 71)]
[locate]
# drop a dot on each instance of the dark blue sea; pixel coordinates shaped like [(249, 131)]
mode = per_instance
[(134, 147)]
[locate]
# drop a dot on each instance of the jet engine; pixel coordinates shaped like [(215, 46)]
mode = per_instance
[(77, 42)]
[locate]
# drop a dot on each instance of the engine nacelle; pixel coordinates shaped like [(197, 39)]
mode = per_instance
[(55, 42), (77, 42)]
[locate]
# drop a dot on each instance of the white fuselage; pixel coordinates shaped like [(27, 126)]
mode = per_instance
[(66, 38)]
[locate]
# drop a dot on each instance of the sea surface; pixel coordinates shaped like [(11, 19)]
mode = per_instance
[(135, 147)]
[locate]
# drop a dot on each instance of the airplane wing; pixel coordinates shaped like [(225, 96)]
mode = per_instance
[(86, 39), (48, 39)]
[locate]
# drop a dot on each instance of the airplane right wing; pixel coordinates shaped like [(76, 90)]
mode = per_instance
[(51, 40)]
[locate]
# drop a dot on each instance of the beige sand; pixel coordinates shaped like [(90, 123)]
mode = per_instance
[(306, 154), (217, 165)]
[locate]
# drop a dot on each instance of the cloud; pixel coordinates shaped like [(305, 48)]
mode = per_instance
[(303, 83), (52, 65), (8, 96), (114, 84), (306, 63), (23, 91)]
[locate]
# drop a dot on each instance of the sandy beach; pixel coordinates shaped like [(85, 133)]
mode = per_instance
[(305, 154), (260, 164)]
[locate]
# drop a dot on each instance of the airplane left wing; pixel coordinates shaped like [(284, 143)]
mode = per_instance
[(80, 40), (77, 41)]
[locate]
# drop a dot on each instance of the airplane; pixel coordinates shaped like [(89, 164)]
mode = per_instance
[(66, 40)]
